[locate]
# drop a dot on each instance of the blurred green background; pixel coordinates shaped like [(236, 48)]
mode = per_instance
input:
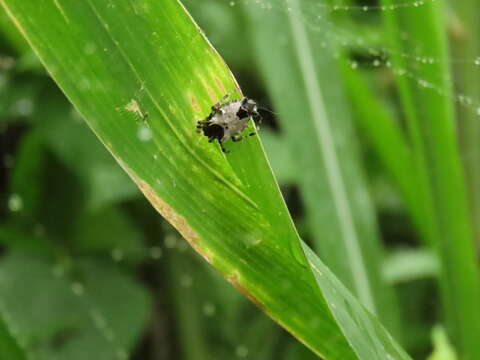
[(72, 222)]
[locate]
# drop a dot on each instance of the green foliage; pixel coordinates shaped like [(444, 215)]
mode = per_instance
[(362, 105)]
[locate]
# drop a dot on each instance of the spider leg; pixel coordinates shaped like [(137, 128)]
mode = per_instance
[(237, 138), (218, 105), (221, 146), (258, 119)]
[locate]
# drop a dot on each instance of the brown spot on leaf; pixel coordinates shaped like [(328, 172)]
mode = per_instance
[(220, 85), (212, 95), (177, 220), (195, 105), (233, 279)]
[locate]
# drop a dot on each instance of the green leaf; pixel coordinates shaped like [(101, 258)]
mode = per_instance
[(57, 318), (9, 348), (389, 142), (443, 350), (141, 74), (467, 83), (409, 265), (375, 342)]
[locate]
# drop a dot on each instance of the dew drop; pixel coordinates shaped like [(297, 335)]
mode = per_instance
[(423, 83), (155, 252), (209, 309), (23, 107), (170, 241), (241, 351), (117, 254), (58, 270), (77, 288), (98, 319), (15, 203), (251, 239), (144, 133), (186, 281), (122, 355)]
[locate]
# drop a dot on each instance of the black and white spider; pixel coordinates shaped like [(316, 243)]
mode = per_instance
[(228, 120)]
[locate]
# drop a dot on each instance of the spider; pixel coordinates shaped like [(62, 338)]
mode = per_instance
[(228, 120)]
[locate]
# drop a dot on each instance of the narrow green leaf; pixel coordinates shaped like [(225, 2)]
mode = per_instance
[(388, 141), (375, 342), (465, 46), (403, 266), (439, 174)]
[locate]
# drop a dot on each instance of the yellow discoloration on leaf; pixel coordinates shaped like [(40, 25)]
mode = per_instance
[(195, 105), (177, 221), (234, 280), (212, 94), (220, 85)]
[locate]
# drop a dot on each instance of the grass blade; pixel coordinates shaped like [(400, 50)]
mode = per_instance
[(466, 46), (391, 146), (431, 124)]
